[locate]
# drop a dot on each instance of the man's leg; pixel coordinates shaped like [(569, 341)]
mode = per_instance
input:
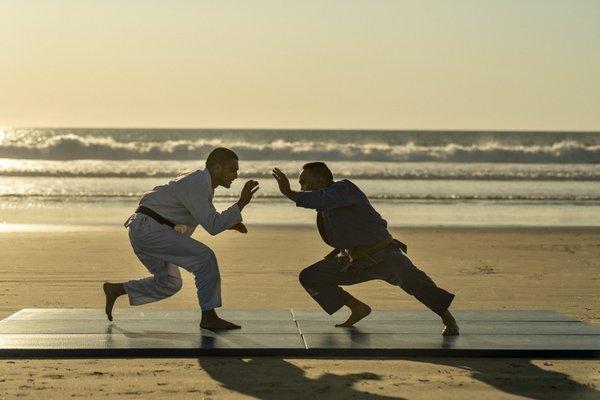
[(152, 239), (322, 281), (399, 270), (164, 282), (205, 268)]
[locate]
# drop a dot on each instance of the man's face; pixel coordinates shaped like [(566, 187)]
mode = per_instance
[(227, 172), (310, 181)]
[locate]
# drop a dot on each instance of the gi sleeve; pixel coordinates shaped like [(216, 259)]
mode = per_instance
[(339, 194), (200, 205)]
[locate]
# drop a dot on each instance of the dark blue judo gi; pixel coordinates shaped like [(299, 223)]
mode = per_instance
[(347, 221)]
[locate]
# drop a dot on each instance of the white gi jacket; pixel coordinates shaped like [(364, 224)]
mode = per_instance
[(187, 200)]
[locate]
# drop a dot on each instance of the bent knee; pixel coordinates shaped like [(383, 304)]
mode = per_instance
[(175, 284), (204, 263), (306, 276), (170, 285), (207, 257)]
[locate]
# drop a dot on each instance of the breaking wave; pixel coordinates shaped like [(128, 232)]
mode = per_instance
[(73, 146)]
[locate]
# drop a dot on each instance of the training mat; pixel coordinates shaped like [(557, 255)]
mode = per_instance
[(149, 332), (145, 332), (483, 333)]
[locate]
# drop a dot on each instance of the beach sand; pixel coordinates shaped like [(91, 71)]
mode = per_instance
[(554, 269)]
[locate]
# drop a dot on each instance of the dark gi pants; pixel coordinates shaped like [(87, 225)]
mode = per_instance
[(322, 281)]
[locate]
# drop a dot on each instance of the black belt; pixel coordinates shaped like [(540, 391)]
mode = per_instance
[(154, 215)]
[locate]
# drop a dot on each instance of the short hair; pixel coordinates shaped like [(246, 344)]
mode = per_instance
[(319, 168), (219, 156)]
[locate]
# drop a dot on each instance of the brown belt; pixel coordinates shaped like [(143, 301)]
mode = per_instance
[(367, 253), (356, 254)]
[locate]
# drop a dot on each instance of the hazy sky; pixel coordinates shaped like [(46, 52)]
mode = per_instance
[(455, 64)]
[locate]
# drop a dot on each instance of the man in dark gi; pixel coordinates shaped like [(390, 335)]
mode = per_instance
[(363, 248)]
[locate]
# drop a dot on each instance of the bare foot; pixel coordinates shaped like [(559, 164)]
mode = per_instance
[(112, 291), (450, 325), (211, 321), (219, 325), (450, 330), (359, 311)]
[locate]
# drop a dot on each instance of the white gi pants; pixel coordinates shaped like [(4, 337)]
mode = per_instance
[(163, 250)]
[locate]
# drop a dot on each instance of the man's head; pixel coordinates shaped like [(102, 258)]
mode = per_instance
[(315, 176), (223, 166)]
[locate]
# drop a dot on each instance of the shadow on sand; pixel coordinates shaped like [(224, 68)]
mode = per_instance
[(271, 378)]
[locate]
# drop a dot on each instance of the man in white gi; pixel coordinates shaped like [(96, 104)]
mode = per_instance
[(160, 231)]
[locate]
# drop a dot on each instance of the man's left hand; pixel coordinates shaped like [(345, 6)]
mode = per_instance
[(241, 228)]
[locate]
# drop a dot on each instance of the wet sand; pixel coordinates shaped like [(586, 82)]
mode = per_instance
[(486, 268)]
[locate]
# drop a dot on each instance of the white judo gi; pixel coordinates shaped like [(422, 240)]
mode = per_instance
[(187, 201)]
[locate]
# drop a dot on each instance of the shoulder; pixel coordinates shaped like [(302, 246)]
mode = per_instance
[(344, 184), (192, 182), (344, 188), (350, 189), (191, 177)]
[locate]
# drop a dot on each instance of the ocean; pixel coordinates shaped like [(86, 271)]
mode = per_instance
[(94, 177)]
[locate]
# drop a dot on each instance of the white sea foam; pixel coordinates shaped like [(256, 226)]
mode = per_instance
[(71, 146)]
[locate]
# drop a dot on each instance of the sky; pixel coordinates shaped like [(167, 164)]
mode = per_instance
[(347, 64)]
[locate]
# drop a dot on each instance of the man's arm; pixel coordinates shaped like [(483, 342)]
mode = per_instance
[(339, 194), (211, 220)]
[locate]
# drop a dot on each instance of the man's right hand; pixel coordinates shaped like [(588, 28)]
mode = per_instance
[(284, 184), (247, 192)]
